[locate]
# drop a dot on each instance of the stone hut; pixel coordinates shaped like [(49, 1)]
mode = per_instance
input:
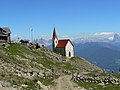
[(5, 35)]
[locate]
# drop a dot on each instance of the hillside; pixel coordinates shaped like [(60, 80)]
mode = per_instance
[(97, 52), (24, 67)]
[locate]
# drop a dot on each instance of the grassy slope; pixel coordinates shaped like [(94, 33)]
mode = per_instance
[(28, 57)]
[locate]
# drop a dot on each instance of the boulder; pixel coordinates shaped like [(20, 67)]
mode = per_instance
[(101, 84), (33, 78), (0, 85)]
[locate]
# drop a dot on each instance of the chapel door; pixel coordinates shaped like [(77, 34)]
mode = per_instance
[(69, 54)]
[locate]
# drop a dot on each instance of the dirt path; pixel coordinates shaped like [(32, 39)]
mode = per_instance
[(64, 83), (8, 88)]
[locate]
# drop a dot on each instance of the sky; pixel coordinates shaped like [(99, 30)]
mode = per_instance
[(69, 17)]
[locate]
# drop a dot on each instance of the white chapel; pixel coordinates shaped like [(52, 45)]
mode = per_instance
[(63, 47)]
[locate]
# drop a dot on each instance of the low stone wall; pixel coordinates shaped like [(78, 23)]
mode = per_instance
[(102, 80)]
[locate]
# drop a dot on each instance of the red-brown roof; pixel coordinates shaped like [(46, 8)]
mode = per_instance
[(54, 34), (62, 43)]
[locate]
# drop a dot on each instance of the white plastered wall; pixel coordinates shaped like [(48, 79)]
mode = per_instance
[(69, 48)]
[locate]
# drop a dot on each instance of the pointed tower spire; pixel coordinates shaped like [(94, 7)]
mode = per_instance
[(54, 34), (54, 40)]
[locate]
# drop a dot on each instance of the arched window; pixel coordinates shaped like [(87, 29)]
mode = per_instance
[(69, 54), (56, 41)]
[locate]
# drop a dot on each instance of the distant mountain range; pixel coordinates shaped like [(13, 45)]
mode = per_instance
[(44, 41), (104, 55), (102, 49)]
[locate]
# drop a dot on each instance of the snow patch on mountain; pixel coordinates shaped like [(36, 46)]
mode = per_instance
[(116, 38), (104, 33), (83, 38)]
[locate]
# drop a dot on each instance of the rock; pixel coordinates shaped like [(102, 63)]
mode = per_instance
[(42, 86), (24, 85), (41, 74), (90, 88), (33, 78), (101, 84), (5, 84), (0, 85), (9, 88)]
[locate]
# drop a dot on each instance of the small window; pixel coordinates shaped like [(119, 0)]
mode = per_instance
[(56, 41)]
